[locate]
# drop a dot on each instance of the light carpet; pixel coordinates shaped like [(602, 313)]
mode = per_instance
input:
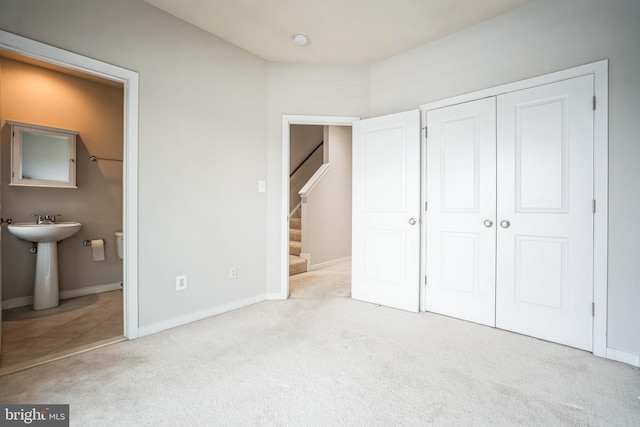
[(333, 361)]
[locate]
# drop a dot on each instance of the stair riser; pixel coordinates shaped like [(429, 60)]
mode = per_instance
[(295, 235), (295, 223), (297, 268)]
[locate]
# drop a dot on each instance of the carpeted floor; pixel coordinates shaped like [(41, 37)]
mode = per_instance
[(323, 359)]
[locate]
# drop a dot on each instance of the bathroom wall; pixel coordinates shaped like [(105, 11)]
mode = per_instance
[(32, 94)]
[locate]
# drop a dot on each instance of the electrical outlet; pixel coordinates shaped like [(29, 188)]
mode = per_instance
[(181, 283), (233, 273)]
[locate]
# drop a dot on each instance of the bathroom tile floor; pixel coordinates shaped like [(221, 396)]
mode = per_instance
[(33, 337)]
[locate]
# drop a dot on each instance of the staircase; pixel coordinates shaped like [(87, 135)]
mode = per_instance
[(297, 265)]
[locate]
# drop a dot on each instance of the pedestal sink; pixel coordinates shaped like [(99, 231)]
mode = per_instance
[(47, 236)]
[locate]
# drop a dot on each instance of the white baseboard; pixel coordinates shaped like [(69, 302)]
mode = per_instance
[(276, 296), (17, 302), (71, 293), (96, 289), (192, 317), (328, 263), (624, 357)]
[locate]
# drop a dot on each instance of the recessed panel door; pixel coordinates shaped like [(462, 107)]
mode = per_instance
[(386, 210), (460, 219), (544, 216)]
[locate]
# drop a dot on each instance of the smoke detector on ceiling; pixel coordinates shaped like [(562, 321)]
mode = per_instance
[(300, 39)]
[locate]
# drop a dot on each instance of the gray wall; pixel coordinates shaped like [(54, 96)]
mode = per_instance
[(36, 95), (202, 127), (538, 38), (303, 140)]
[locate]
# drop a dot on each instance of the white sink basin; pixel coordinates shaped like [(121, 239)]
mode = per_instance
[(47, 236), (39, 233)]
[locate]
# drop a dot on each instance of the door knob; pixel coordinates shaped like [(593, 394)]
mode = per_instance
[(488, 223), (504, 223), (412, 221)]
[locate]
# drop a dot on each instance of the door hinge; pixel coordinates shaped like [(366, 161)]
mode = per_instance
[(425, 280), (425, 206), (426, 132), (593, 205), (593, 309), (594, 102)]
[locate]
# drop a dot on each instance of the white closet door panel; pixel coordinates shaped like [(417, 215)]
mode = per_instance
[(545, 193), (386, 210), (461, 196)]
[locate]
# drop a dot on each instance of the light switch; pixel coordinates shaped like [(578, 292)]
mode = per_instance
[(262, 186)]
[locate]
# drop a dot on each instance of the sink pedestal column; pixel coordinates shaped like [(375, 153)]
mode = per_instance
[(45, 292)]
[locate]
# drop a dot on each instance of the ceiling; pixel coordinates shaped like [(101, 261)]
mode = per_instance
[(339, 31)]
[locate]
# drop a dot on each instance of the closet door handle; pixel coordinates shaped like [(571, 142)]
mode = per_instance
[(412, 221), (504, 223), (488, 223)]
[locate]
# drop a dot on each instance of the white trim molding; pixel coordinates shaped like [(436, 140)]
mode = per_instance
[(624, 357), (53, 55), (326, 264), (71, 293), (313, 181), (199, 315), (601, 178), (287, 121)]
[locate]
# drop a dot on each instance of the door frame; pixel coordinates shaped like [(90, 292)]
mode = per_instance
[(599, 70), (53, 55), (288, 120)]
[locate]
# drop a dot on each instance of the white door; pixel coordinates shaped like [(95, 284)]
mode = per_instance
[(460, 219), (545, 217), (386, 210)]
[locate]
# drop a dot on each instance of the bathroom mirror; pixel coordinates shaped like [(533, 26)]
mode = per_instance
[(42, 156)]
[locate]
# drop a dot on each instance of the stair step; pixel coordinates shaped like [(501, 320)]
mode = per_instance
[(297, 265), (295, 235), (295, 248), (295, 223)]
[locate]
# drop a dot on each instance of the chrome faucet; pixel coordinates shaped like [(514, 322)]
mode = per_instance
[(51, 218), (46, 219)]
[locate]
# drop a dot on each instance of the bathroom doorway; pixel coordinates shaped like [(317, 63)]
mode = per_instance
[(103, 305)]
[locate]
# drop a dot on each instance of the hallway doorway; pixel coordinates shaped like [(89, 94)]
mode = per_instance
[(287, 209)]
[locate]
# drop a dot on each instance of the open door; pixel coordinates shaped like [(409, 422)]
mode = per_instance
[(386, 210)]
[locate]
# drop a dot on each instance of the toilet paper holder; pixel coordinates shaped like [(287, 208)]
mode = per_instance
[(88, 242)]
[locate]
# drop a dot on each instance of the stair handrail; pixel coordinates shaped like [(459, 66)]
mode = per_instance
[(314, 180), (307, 158)]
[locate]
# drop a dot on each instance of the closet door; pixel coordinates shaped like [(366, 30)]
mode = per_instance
[(461, 197), (545, 217)]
